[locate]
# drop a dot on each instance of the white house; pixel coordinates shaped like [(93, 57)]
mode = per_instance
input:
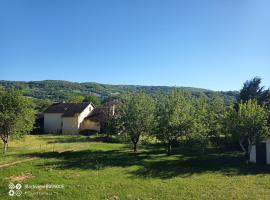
[(66, 118), (260, 153), (99, 117), (71, 118)]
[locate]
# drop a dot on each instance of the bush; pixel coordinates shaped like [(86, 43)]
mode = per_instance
[(88, 132), (148, 139)]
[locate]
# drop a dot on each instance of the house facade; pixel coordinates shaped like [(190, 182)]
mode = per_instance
[(99, 117), (66, 118), (72, 118)]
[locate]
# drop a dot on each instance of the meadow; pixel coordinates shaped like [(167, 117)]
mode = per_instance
[(88, 168)]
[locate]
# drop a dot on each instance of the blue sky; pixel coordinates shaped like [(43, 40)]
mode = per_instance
[(213, 44)]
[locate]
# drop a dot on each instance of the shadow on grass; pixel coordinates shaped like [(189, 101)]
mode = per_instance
[(74, 140), (154, 163), (80, 139)]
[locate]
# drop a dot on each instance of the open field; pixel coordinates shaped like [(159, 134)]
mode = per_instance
[(89, 169)]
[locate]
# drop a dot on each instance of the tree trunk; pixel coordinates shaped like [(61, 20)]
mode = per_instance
[(5, 147), (134, 146), (249, 150), (135, 140), (5, 141), (107, 139), (244, 150), (242, 146), (169, 148)]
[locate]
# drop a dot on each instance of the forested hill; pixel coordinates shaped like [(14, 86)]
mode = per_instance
[(62, 90)]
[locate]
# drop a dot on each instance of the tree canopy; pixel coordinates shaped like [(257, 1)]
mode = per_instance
[(248, 124), (174, 118), (253, 90), (17, 115), (93, 99), (59, 91), (85, 98), (136, 115)]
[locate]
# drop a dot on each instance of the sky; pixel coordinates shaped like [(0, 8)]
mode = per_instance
[(212, 44)]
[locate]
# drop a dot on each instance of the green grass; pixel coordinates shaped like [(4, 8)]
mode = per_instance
[(89, 169)]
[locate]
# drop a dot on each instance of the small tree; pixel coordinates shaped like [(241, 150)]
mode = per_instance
[(110, 120), (17, 116), (202, 126), (136, 113), (85, 98), (248, 124), (174, 118), (253, 90), (93, 99), (76, 99), (208, 114), (215, 111)]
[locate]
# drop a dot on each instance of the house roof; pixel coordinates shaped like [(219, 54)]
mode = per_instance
[(68, 109), (96, 115), (99, 114)]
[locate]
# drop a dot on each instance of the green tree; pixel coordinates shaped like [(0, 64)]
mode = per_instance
[(174, 118), (200, 131), (76, 99), (42, 104), (207, 119), (17, 116), (136, 113), (248, 124), (110, 120), (93, 99), (85, 98), (253, 90), (216, 109)]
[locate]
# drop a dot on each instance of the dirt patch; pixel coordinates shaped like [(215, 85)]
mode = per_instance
[(20, 178), (17, 162), (66, 150), (74, 175), (113, 198)]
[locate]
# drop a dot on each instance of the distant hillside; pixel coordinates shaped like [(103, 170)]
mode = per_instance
[(62, 90)]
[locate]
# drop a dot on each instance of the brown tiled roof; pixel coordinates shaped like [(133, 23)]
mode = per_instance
[(68, 109), (99, 114), (96, 115)]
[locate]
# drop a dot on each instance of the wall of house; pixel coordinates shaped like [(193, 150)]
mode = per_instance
[(90, 125), (70, 125), (55, 123), (52, 122), (85, 113)]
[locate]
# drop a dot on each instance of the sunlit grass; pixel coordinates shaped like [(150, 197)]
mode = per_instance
[(96, 170)]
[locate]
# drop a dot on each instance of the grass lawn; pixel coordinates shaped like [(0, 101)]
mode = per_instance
[(89, 169)]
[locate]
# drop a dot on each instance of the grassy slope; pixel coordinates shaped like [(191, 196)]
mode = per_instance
[(62, 90), (92, 170)]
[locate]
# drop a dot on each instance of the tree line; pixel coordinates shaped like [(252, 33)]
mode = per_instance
[(59, 91), (179, 116), (171, 118)]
